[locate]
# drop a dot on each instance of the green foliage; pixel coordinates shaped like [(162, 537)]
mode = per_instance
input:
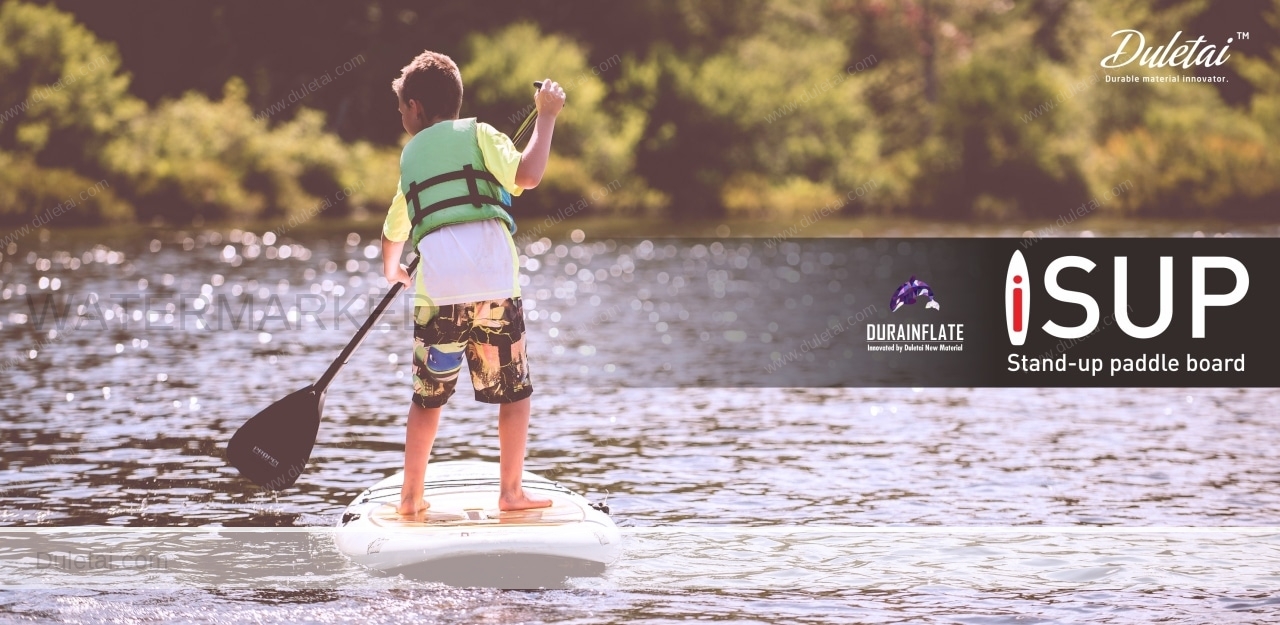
[(61, 92), (189, 157), (1007, 167), (1191, 157), (1185, 152), (29, 194), (195, 157), (67, 109), (594, 141), (1265, 74), (983, 109), (773, 122), (794, 130)]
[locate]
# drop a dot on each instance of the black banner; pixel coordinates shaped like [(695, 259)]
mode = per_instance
[(819, 312)]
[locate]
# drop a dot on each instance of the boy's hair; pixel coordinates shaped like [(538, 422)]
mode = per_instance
[(434, 81)]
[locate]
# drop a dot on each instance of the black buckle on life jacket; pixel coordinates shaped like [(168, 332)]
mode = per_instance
[(473, 197)]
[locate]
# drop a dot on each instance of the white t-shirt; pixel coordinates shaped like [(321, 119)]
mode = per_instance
[(469, 262)]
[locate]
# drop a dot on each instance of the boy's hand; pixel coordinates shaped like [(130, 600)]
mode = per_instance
[(549, 99), (533, 160), (399, 274)]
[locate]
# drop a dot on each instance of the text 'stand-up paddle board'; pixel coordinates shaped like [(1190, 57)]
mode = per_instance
[(464, 540)]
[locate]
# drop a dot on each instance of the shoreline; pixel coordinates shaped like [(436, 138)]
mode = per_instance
[(775, 229)]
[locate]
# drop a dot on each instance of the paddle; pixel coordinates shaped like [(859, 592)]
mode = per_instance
[(527, 124), (273, 447)]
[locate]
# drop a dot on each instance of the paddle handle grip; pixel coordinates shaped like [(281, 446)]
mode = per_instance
[(323, 383)]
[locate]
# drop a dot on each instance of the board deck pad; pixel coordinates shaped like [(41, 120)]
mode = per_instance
[(464, 540), (472, 508)]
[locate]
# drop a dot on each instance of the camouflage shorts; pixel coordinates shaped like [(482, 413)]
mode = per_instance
[(490, 334)]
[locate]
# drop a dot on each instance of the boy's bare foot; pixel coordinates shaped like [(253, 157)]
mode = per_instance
[(408, 509), (521, 501)]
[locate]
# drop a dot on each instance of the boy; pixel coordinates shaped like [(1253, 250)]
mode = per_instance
[(457, 177)]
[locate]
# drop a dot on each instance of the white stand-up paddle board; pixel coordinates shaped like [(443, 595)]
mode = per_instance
[(463, 539)]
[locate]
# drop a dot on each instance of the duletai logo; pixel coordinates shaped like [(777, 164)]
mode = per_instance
[(1017, 299), (1188, 53)]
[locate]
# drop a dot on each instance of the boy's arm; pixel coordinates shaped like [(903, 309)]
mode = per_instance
[(533, 161), (391, 267), (395, 231)]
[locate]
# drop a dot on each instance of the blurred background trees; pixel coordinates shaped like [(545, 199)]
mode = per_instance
[(963, 110)]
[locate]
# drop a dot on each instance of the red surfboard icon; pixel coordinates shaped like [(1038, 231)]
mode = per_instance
[(1017, 299)]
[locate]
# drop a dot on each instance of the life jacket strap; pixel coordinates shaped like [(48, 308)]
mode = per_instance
[(473, 197)]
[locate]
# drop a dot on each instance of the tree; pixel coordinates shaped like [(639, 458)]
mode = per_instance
[(62, 93)]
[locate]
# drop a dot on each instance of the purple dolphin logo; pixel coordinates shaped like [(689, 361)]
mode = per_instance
[(909, 291)]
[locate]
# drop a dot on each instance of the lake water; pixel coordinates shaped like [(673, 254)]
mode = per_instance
[(740, 502)]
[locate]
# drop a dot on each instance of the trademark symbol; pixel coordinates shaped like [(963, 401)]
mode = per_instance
[(1242, 35)]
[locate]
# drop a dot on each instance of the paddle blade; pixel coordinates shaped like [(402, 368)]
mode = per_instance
[(273, 447)]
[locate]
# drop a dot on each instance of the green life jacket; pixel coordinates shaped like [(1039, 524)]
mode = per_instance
[(444, 181)]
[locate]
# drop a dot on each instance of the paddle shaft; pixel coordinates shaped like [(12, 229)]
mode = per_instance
[(527, 124), (323, 383)]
